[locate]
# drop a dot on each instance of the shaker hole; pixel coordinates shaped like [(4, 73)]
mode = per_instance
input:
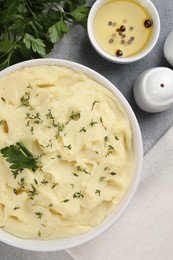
[(162, 85)]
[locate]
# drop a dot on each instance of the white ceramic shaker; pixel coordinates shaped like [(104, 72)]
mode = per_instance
[(153, 89)]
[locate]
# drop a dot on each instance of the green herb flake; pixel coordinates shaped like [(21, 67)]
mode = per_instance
[(75, 174), (93, 104), (102, 178), (51, 205), (106, 168), (98, 192), (32, 193), (15, 208), (92, 123), (74, 116), (83, 130), (25, 99), (54, 185), (39, 233), (113, 173), (2, 122), (3, 99), (32, 130), (78, 195), (66, 200), (106, 139), (39, 214), (29, 86), (72, 185), (101, 121), (60, 129), (85, 171), (68, 146), (116, 138), (22, 183), (45, 182), (49, 115), (111, 149), (14, 191), (79, 168), (36, 182)]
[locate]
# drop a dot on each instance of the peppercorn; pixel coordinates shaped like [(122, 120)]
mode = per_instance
[(119, 53), (148, 23), (122, 28)]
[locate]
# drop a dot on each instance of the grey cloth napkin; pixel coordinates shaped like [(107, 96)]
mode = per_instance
[(145, 231)]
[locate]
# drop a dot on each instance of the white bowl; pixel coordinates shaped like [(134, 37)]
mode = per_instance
[(156, 31), (53, 245)]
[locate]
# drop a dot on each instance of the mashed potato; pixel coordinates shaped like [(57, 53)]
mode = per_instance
[(81, 139)]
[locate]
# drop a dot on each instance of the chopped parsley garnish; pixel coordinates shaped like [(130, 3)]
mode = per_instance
[(93, 104), (106, 139), (15, 208), (102, 178), (44, 182), (2, 122), (101, 121), (98, 192), (54, 185), (85, 171), (92, 123), (29, 86), (22, 183), (111, 149), (116, 138), (25, 99), (75, 174), (32, 193), (49, 114), (113, 173), (74, 116), (66, 200), (106, 168), (3, 99), (14, 191), (20, 158), (72, 185), (39, 214), (60, 129), (80, 169), (49, 145), (78, 195), (68, 146), (36, 182), (83, 129)]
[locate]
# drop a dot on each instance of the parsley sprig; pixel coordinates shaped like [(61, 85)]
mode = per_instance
[(20, 158), (30, 28)]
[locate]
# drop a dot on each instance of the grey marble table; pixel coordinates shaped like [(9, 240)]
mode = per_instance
[(75, 46)]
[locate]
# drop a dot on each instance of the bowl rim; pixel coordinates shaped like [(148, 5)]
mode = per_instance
[(61, 244), (156, 31)]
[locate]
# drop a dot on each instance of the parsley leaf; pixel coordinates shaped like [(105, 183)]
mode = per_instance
[(56, 31), (29, 29), (36, 44), (19, 157)]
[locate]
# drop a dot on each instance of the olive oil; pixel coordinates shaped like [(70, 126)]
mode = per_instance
[(123, 28)]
